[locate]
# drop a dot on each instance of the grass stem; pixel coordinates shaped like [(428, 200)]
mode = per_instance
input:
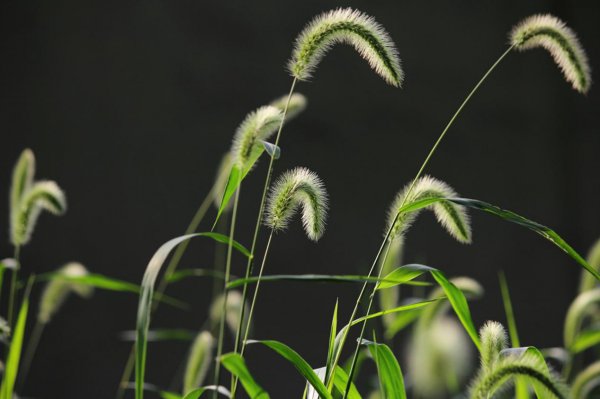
[(13, 285)]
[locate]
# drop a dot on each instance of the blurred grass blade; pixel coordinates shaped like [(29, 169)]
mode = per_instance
[(198, 361), (521, 390), (299, 363), (236, 365), (455, 296), (391, 381), (320, 278), (272, 149), (340, 380), (185, 273), (585, 340), (14, 352), (145, 301), (162, 334), (196, 393), (586, 381), (402, 320)]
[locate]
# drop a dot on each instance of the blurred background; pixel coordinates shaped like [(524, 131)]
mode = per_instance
[(130, 106)]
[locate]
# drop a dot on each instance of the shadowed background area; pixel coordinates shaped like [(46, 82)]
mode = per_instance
[(130, 105)]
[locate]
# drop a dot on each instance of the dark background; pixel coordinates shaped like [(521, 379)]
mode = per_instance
[(130, 105)]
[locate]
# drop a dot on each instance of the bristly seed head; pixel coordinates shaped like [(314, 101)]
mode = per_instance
[(28, 198), (345, 25), (258, 125), (295, 107), (452, 217), (493, 340), (549, 32), (298, 187)]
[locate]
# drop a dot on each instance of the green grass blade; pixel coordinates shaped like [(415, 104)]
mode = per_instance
[(331, 345), (145, 301), (196, 393), (236, 365), (455, 296), (186, 273), (299, 363), (321, 278), (14, 352), (401, 321), (542, 230), (585, 340), (586, 381), (391, 381)]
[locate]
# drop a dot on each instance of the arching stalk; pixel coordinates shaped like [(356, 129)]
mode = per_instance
[(418, 175)]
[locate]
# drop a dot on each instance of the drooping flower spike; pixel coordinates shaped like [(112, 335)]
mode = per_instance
[(452, 217), (549, 32), (345, 25), (298, 187), (296, 105), (258, 125), (29, 198)]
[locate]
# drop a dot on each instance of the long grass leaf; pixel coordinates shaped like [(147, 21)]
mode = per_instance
[(332, 334), (236, 365), (321, 278), (14, 353), (299, 363), (391, 381)]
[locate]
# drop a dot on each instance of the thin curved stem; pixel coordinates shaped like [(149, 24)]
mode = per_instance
[(412, 185), (225, 290), (164, 282)]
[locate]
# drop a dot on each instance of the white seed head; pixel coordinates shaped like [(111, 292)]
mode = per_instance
[(345, 25), (199, 361), (57, 290), (298, 187), (295, 107), (454, 218), (549, 32), (258, 125), (42, 195), (493, 340)]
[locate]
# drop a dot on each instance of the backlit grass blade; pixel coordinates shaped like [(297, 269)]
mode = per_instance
[(340, 380), (332, 334), (542, 230), (14, 353), (196, 393), (186, 273), (585, 340), (391, 381), (145, 301), (234, 180), (236, 365), (110, 284), (161, 334), (299, 363), (455, 296), (320, 278), (586, 381)]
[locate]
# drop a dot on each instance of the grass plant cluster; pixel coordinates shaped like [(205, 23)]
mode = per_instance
[(443, 333)]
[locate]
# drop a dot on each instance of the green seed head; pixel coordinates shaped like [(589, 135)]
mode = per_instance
[(298, 187), (560, 41), (345, 25)]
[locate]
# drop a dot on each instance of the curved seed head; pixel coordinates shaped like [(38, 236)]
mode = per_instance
[(58, 289), (584, 305), (493, 340), (233, 311), (345, 25), (42, 195), (198, 362), (298, 187), (439, 355), (549, 32), (258, 125), (295, 107), (454, 218)]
